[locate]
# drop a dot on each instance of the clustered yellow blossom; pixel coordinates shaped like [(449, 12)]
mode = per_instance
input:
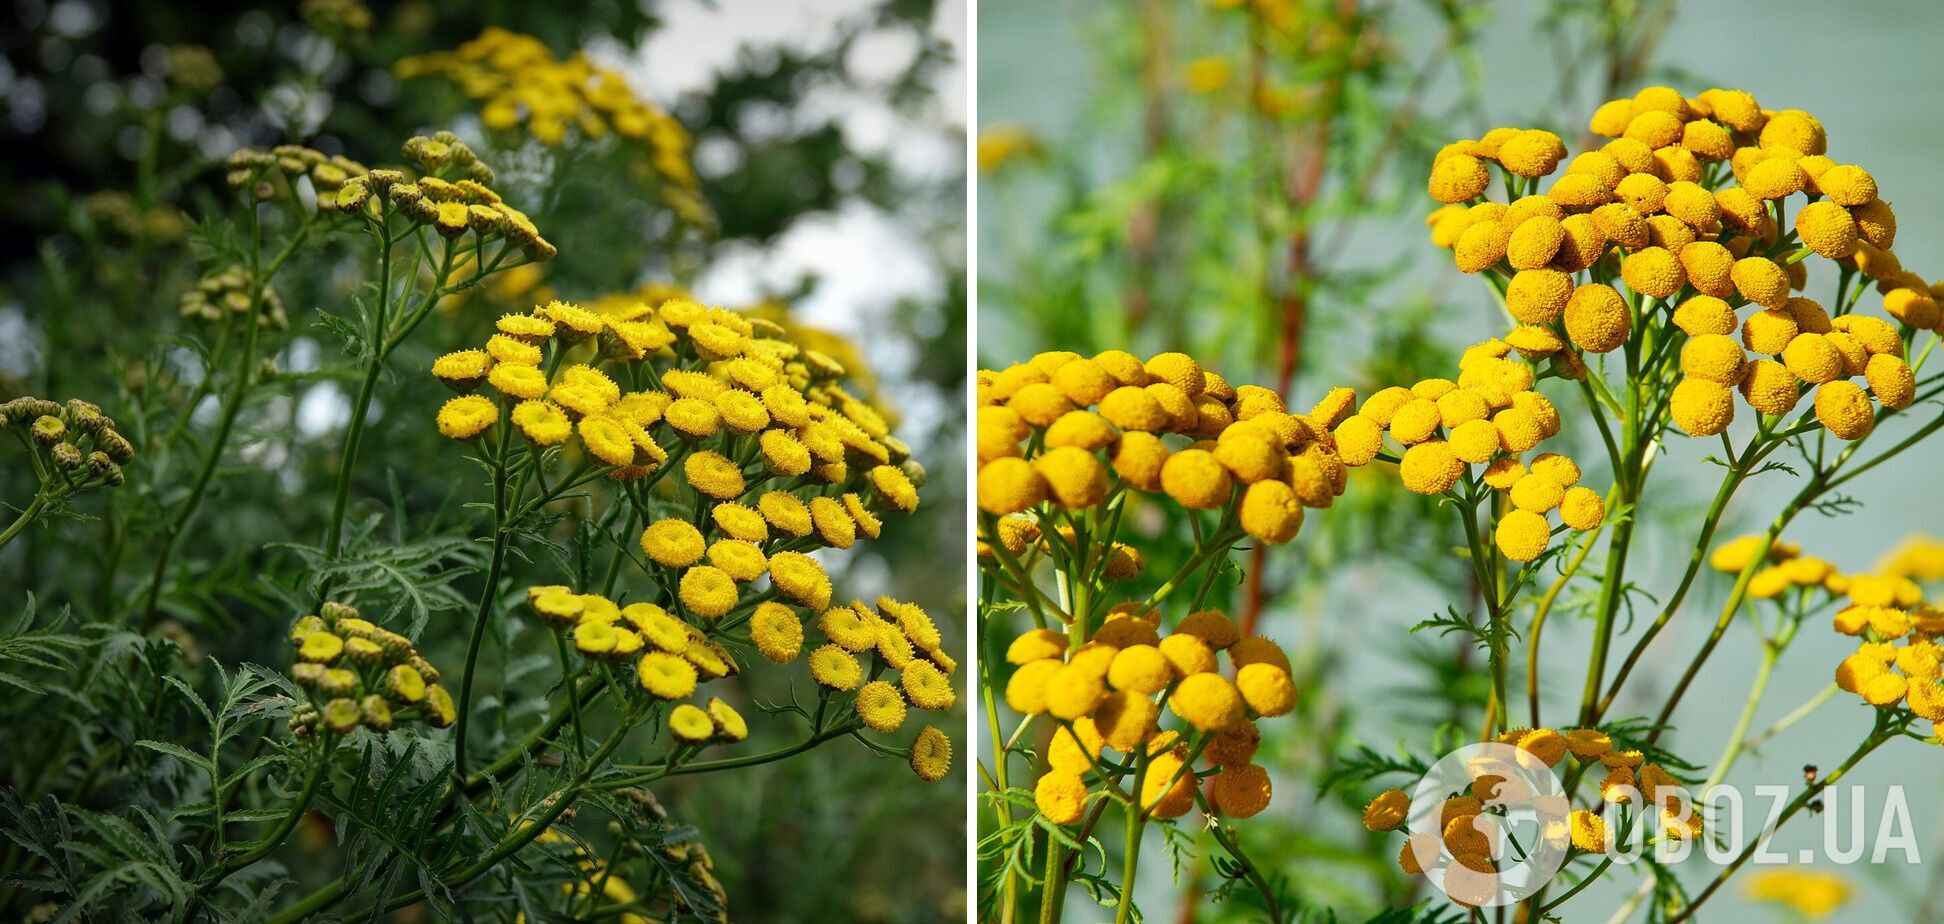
[(1883, 612), (1625, 775), (781, 461), (450, 208), (358, 673), (227, 294), (1896, 663), (261, 171), (1654, 210), (673, 656), (75, 440), (521, 82), (1490, 417), (1108, 698), (1068, 430)]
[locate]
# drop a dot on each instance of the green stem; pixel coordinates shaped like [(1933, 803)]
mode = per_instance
[(284, 825), (1876, 740), (26, 516), (1544, 608), (1053, 884), (1795, 715), (334, 891), (1730, 483), (731, 763), (1737, 738), (1610, 599), (361, 406), (1130, 862), (232, 406), (573, 702), (348, 457), (562, 801), (487, 595), (1577, 888)]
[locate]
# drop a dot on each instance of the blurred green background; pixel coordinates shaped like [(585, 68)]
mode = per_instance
[(829, 141), (1163, 175)]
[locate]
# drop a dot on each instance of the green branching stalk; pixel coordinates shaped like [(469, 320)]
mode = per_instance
[(245, 376), (1809, 794), (27, 516), (488, 595)]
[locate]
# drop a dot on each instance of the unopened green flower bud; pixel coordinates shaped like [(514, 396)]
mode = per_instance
[(49, 430)]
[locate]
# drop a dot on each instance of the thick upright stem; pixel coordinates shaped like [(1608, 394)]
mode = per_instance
[(1130, 863), (487, 595), (1610, 600), (1053, 885)]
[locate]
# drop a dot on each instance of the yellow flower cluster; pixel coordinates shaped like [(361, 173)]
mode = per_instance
[(781, 461), (1654, 208), (76, 439), (521, 82), (221, 294), (1783, 566), (1626, 774), (363, 674), (673, 655), (1881, 612), (450, 208), (1067, 429), (116, 213), (1880, 609), (757, 398), (1491, 416), (253, 168), (1110, 694)]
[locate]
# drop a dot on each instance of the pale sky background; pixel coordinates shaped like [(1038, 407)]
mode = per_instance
[(867, 259)]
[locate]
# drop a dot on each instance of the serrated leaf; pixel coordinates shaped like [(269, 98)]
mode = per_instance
[(176, 751)]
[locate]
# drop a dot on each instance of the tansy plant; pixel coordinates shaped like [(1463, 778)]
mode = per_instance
[(70, 448), (705, 466), (525, 91), (435, 231), (712, 569), (1662, 282), (1659, 285), (1115, 701), (338, 649)]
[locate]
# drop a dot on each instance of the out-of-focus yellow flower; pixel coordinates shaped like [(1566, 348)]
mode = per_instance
[(519, 82), (1208, 75), (1815, 894), (1005, 144)]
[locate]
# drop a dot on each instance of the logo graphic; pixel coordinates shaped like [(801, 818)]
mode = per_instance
[(1505, 835)]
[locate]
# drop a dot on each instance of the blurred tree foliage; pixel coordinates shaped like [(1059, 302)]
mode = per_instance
[(114, 122)]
